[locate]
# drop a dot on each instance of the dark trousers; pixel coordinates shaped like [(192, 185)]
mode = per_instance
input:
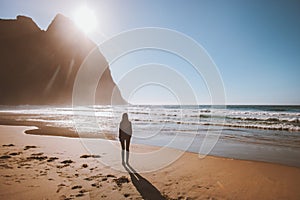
[(125, 143)]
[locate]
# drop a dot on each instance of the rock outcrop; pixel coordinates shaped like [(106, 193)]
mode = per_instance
[(39, 67)]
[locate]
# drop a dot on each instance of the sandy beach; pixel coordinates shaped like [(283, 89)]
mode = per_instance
[(51, 167), (154, 100)]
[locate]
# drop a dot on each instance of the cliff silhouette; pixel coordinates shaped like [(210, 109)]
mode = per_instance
[(39, 67)]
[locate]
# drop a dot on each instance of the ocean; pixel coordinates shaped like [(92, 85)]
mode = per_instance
[(262, 133)]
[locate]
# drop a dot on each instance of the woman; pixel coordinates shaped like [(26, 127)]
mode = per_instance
[(125, 132)]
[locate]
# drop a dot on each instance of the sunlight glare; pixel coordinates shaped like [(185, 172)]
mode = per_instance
[(85, 19)]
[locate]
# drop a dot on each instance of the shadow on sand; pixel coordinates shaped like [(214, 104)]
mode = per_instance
[(143, 186)]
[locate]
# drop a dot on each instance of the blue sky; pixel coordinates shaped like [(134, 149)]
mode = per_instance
[(255, 44)]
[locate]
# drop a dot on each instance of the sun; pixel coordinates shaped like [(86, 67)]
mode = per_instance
[(85, 19)]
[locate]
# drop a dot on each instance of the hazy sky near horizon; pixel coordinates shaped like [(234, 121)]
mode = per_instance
[(255, 44)]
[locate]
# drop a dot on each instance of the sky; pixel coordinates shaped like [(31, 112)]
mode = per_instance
[(254, 44)]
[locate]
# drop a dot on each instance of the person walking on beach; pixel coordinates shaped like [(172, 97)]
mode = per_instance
[(125, 132)]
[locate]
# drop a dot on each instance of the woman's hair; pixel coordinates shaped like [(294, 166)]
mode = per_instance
[(125, 116)]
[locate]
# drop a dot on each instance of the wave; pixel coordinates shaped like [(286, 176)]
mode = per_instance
[(271, 119), (247, 117), (257, 126)]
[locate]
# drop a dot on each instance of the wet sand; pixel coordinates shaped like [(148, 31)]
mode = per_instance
[(52, 167)]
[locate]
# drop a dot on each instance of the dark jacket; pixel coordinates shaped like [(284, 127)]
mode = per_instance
[(125, 130)]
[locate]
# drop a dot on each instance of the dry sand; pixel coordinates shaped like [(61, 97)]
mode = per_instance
[(49, 167)]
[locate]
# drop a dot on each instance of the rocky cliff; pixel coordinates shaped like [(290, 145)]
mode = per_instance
[(39, 67)]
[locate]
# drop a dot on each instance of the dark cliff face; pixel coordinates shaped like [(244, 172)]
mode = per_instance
[(39, 67)]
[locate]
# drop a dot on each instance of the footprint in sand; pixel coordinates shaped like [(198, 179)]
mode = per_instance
[(79, 195), (97, 185), (121, 180), (59, 187), (15, 153), (5, 157), (126, 195), (84, 166), (40, 158), (62, 166), (29, 147), (51, 159), (37, 154), (67, 162), (111, 176), (83, 191), (5, 166), (76, 187), (8, 145), (90, 156), (64, 197)]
